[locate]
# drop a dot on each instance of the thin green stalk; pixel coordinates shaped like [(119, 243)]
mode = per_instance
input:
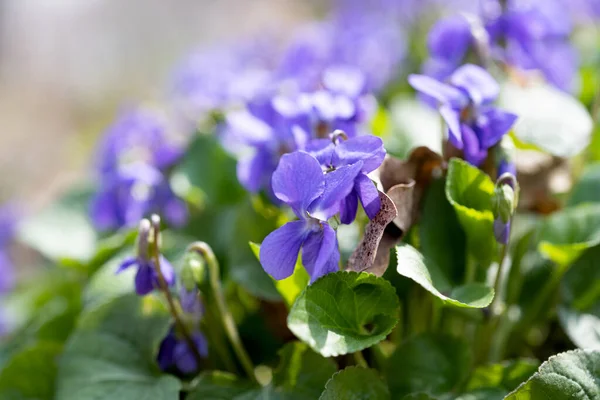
[(164, 288), (360, 359), (228, 322)]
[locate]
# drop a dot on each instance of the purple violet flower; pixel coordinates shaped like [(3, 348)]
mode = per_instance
[(133, 192), (314, 197), (474, 125), (138, 135), (336, 153), (146, 278), (8, 224), (174, 353)]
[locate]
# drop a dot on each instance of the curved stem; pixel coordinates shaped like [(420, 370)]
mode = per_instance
[(360, 359), (230, 329), (171, 302)]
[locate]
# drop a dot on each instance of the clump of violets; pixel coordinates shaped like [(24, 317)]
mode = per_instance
[(315, 196), (267, 130), (133, 157), (526, 35), (465, 103), (146, 277)]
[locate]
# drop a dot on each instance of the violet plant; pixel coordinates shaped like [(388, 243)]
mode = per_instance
[(281, 231)]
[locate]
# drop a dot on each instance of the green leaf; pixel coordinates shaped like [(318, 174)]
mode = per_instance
[(112, 353), (572, 375), (413, 265), (356, 383), (470, 190), (579, 314), (208, 168), (290, 287), (586, 189), (441, 237), (62, 232), (302, 373), (106, 284), (565, 235), (549, 118), (30, 373), (503, 377), (344, 312), (429, 363), (217, 385), (483, 394)]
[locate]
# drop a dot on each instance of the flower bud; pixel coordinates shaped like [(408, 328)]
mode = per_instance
[(503, 202), (506, 156), (501, 231)]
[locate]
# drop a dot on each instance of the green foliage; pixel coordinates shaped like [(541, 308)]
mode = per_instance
[(431, 363), (572, 375), (356, 383), (39, 361), (502, 378), (565, 235), (413, 265), (112, 353), (586, 190), (344, 312), (470, 191)]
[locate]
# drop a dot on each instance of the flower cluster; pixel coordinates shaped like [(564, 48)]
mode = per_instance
[(132, 159), (526, 35), (318, 186)]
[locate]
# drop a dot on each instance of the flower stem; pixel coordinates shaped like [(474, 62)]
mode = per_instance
[(229, 324), (164, 288), (360, 359)]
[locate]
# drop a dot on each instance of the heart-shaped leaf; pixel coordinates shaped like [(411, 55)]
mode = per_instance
[(565, 235), (549, 118), (574, 375), (413, 265), (112, 353), (356, 383), (344, 312), (470, 191), (429, 363)]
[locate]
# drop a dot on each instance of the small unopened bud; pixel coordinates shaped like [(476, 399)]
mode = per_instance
[(506, 153), (501, 231), (193, 273), (143, 239), (503, 202)]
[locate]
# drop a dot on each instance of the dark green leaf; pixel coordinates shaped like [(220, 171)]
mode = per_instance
[(549, 118), (302, 373), (572, 375), (356, 383), (62, 232), (218, 385), (565, 235), (579, 314), (413, 265), (587, 189), (470, 190), (483, 394), (112, 353), (429, 363), (344, 312), (440, 234), (30, 373)]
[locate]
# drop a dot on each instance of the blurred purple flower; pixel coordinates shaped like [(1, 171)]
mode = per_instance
[(466, 106), (314, 197), (133, 192), (536, 34), (174, 352), (339, 153), (190, 302), (501, 230), (8, 224), (138, 135)]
